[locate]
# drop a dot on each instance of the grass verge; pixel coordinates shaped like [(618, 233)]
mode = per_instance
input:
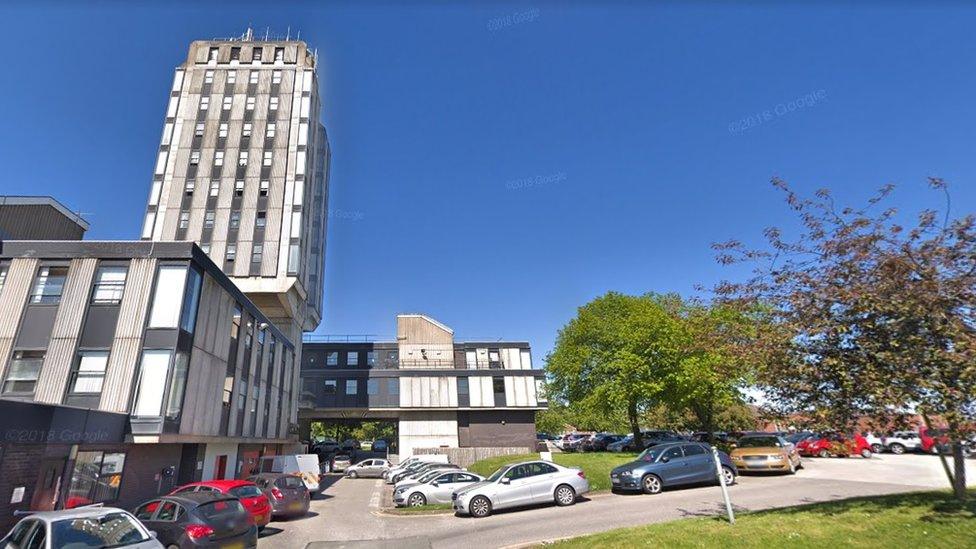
[(921, 519), (432, 509), (596, 465)]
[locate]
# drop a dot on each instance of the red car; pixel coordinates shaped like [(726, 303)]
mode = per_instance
[(836, 445), (933, 441), (251, 496)]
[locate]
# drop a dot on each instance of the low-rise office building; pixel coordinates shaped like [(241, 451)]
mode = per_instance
[(441, 393), (153, 333)]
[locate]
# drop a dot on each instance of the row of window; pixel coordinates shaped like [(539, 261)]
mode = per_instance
[(249, 103), (242, 158), (252, 77), (49, 282), (260, 219), (351, 386), (246, 130), (256, 54)]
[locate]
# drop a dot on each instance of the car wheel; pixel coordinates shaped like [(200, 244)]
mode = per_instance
[(651, 484), (416, 499), (865, 453), (824, 453), (565, 495), (480, 507), (876, 448), (792, 466), (352, 474), (729, 476), (897, 449)]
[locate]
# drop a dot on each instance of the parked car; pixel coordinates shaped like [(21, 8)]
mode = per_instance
[(567, 438), (251, 497), (368, 468), (766, 453), (934, 441), (546, 437), (620, 444), (572, 444), (650, 439), (900, 442), (380, 445), (838, 445), (199, 519), (349, 446), (287, 493), (672, 464), (799, 436), (304, 465), (874, 441), (599, 442), (82, 527), (520, 484), (340, 462), (422, 470), (412, 463), (434, 488), (717, 436)]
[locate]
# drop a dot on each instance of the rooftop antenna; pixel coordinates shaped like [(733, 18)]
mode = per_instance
[(267, 30), (288, 36), (249, 34), (299, 37)]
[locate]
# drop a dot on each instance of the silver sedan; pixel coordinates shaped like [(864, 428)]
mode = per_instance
[(521, 484), (434, 488)]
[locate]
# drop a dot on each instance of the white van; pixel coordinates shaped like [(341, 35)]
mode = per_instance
[(304, 465)]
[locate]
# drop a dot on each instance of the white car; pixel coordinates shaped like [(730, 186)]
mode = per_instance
[(434, 488), (81, 527), (900, 442), (874, 441), (520, 484), (411, 463)]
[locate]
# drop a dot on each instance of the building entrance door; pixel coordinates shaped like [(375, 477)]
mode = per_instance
[(48, 486), (220, 468)]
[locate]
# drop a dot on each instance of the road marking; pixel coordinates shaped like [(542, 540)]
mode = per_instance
[(374, 500)]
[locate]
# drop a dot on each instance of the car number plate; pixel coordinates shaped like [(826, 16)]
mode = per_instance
[(235, 545), (295, 506)]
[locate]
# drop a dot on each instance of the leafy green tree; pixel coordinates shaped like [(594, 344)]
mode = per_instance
[(616, 355), (881, 317)]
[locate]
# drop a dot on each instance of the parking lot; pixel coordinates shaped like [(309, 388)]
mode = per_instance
[(351, 509)]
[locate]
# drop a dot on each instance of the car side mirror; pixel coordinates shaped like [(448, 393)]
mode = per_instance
[(153, 534), (435, 483), (506, 480)]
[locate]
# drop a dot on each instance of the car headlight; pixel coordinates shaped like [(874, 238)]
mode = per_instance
[(625, 473)]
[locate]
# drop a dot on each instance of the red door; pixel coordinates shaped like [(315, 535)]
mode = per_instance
[(220, 468)]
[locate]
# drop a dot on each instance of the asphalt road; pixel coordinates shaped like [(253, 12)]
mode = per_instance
[(349, 509)]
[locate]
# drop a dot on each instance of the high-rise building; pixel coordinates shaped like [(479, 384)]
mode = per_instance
[(243, 169)]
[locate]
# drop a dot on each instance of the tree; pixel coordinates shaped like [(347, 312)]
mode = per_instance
[(880, 319), (615, 356)]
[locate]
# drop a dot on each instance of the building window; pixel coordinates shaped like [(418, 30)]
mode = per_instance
[(174, 400), (25, 367), (371, 358), (273, 105), (152, 383), (184, 220), (249, 104), (231, 77), (267, 158), (242, 159), (206, 248), (393, 386), (270, 131), (498, 384), (330, 387), (48, 285), (208, 77), (3, 276), (231, 252), (526, 360), (239, 188), (256, 56), (194, 157), (228, 101), (263, 190), (235, 219), (373, 387), (96, 478), (213, 54), (352, 387), (199, 129), (214, 187), (167, 297), (109, 285), (188, 319), (219, 158), (222, 130), (253, 77), (188, 187), (462, 386), (208, 220), (235, 54), (257, 254), (352, 358), (279, 54), (247, 129), (204, 103), (332, 359), (261, 220), (276, 77), (88, 376)]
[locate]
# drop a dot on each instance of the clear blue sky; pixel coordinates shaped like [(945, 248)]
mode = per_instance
[(440, 114)]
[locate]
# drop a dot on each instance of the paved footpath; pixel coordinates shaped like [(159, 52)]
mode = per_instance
[(348, 508)]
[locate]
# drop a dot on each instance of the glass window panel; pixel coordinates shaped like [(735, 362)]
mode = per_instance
[(168, 297), (188, 320), (48, 285), (351, 386), (91, 372), (25, 367), (174, 401), (109, 284), (152, 381)]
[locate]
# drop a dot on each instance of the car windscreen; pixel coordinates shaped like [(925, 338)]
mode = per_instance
[(651, 454), (758, 442), (221, 511), (245, 492), (102, 532), (289, 482), (498, 473)]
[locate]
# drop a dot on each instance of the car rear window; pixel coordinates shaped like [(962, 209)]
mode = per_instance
[(220, 510), (290, 482), (112, 529), (245, 491)]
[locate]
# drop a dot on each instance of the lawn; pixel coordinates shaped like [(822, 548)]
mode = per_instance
[(922, 519), (430, 509), (596, 465)]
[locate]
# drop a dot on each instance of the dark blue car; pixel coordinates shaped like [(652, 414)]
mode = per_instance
[(672, 464)]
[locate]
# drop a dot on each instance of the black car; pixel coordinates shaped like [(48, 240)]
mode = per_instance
[(199, 519), (287, 493), (598, 443)]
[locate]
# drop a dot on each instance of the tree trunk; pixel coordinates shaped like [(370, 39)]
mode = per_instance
[(959, 465), (634, 426), (945, 464)]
